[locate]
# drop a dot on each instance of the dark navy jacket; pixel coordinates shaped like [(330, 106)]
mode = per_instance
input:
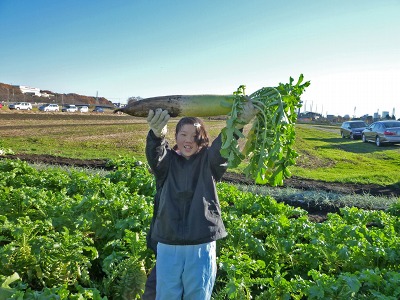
[(188, 211)]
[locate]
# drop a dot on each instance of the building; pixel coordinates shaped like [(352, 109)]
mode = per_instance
[(333, 118), (30, 90), (385, 115), (377, 116), (309, 115), (45, 95)]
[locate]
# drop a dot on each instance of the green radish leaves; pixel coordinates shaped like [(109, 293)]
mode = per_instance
[(269, 145)]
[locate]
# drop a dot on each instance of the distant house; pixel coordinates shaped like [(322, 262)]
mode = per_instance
[(45, 95), (29, 90), (119, 105), (308, 115), (332, 118)]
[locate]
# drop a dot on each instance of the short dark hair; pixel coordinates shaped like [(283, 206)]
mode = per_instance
[(201, 137)]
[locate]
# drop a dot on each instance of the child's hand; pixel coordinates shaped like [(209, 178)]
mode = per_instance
[(158, 120), (247, 114)]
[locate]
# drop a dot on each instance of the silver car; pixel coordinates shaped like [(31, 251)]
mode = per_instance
[(382, 132), (70, 108), (49, 107)]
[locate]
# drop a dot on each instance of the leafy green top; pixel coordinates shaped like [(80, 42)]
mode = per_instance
[(269, 145)]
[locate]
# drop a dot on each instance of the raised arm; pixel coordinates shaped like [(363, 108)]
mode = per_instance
[(156, 144)]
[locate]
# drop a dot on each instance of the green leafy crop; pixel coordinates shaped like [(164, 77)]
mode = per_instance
[(70, 234), (269, 145)]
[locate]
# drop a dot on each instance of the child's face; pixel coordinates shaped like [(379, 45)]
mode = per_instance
[(185, 140)]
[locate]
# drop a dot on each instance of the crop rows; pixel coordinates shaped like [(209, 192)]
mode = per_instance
[(74, 234)]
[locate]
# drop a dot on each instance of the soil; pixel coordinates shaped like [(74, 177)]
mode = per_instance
[(316, 214)]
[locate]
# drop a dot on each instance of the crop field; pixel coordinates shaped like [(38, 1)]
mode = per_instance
[(323, 154), (79, 232)]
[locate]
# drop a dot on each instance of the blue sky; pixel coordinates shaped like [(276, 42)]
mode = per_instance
[(348, 49)]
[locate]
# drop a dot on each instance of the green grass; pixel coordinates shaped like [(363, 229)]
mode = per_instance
[(89, 138), (104, 136), (324, 155)]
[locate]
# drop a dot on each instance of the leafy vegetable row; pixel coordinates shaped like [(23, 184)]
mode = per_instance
[(81, 235)]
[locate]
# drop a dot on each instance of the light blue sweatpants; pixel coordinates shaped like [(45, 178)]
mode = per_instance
[(186, 270)]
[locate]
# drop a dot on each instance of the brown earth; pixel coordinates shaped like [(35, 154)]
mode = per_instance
[(317, 214)]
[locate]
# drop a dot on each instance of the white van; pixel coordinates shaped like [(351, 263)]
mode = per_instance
[(70, 108), (84, 109), (20, 105)]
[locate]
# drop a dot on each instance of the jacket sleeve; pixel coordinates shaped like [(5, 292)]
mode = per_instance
[(218, 163), (157, 154)]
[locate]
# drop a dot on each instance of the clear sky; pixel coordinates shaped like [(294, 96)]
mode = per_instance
[(348, 49)]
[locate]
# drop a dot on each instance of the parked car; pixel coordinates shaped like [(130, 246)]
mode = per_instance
[(49, 107), (83, 109), (382, 132), (352, 129), (70, 108), (98, 109), (20, 105)]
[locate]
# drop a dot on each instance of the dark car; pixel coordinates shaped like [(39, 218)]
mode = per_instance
[(382, 132), (352, 129), (98, 109)]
